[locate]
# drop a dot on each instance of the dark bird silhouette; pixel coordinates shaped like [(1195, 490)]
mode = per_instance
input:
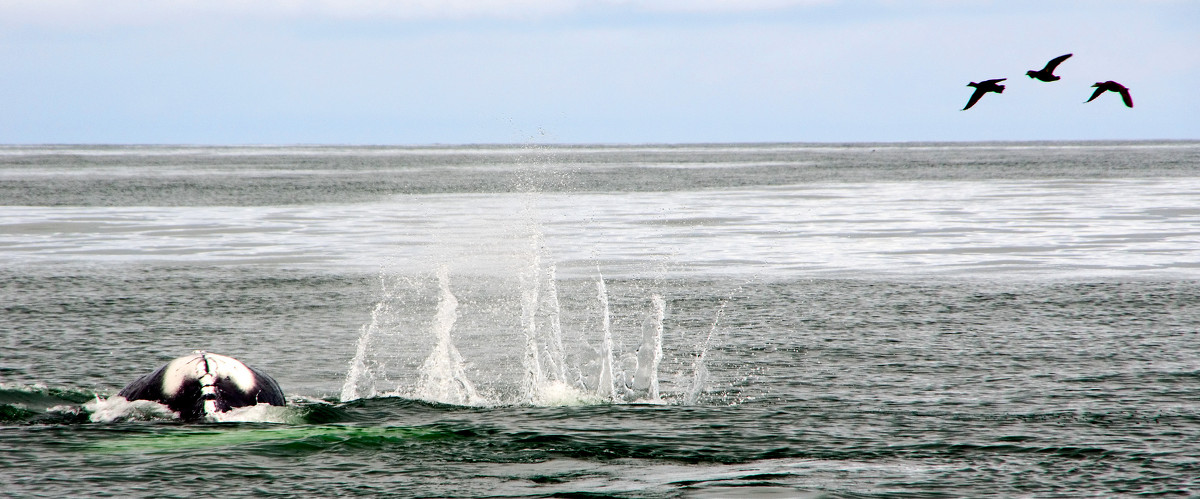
[(1111, 86), (984, 87), (1047, 73)]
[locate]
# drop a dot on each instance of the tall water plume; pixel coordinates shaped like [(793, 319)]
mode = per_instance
[(650, 352), (530, 288), (606, 383), (699, 367), (363, 375), (360, 379), (555, 353), (443, 374), (544, 361)]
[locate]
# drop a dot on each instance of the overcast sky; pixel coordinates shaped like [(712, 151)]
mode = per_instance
[(590, 71)]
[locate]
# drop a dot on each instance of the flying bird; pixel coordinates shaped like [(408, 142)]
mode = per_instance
[(1047, 73), (1111, 86), (984, 87)]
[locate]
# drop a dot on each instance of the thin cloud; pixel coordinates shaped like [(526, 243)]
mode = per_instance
[(90, 13)]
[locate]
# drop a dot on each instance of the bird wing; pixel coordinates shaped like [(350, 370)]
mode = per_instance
[(992, 82), (1125, 97), (979, 91), (1055, 62), (1099, 90)]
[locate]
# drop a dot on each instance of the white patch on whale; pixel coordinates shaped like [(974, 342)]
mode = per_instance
[(201, 365)]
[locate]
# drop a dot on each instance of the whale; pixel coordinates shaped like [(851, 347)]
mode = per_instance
[(205, 384)]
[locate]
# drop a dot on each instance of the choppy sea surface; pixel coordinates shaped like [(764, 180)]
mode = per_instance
[(751, 320)]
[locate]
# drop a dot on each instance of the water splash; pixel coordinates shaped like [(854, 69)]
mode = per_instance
[(117, 408), (443, 375), (513, 328), (555, 353), (606, 384), (530, 288), (360, 379), (650, 352), (514, 348), (545, 381), (699, 369)]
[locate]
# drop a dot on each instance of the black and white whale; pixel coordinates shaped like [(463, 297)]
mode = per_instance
[(204, 384)]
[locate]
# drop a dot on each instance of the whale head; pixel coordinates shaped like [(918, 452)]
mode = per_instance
[(204, 384)]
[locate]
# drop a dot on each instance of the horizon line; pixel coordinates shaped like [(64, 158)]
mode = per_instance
[(576, 144)]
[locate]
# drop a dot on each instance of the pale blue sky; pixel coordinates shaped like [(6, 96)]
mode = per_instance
[(599, 71)]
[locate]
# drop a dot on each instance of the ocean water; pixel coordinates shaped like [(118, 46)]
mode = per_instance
[(765, 320)]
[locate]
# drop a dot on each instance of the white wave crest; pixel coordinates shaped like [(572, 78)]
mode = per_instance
[(116, 408)]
